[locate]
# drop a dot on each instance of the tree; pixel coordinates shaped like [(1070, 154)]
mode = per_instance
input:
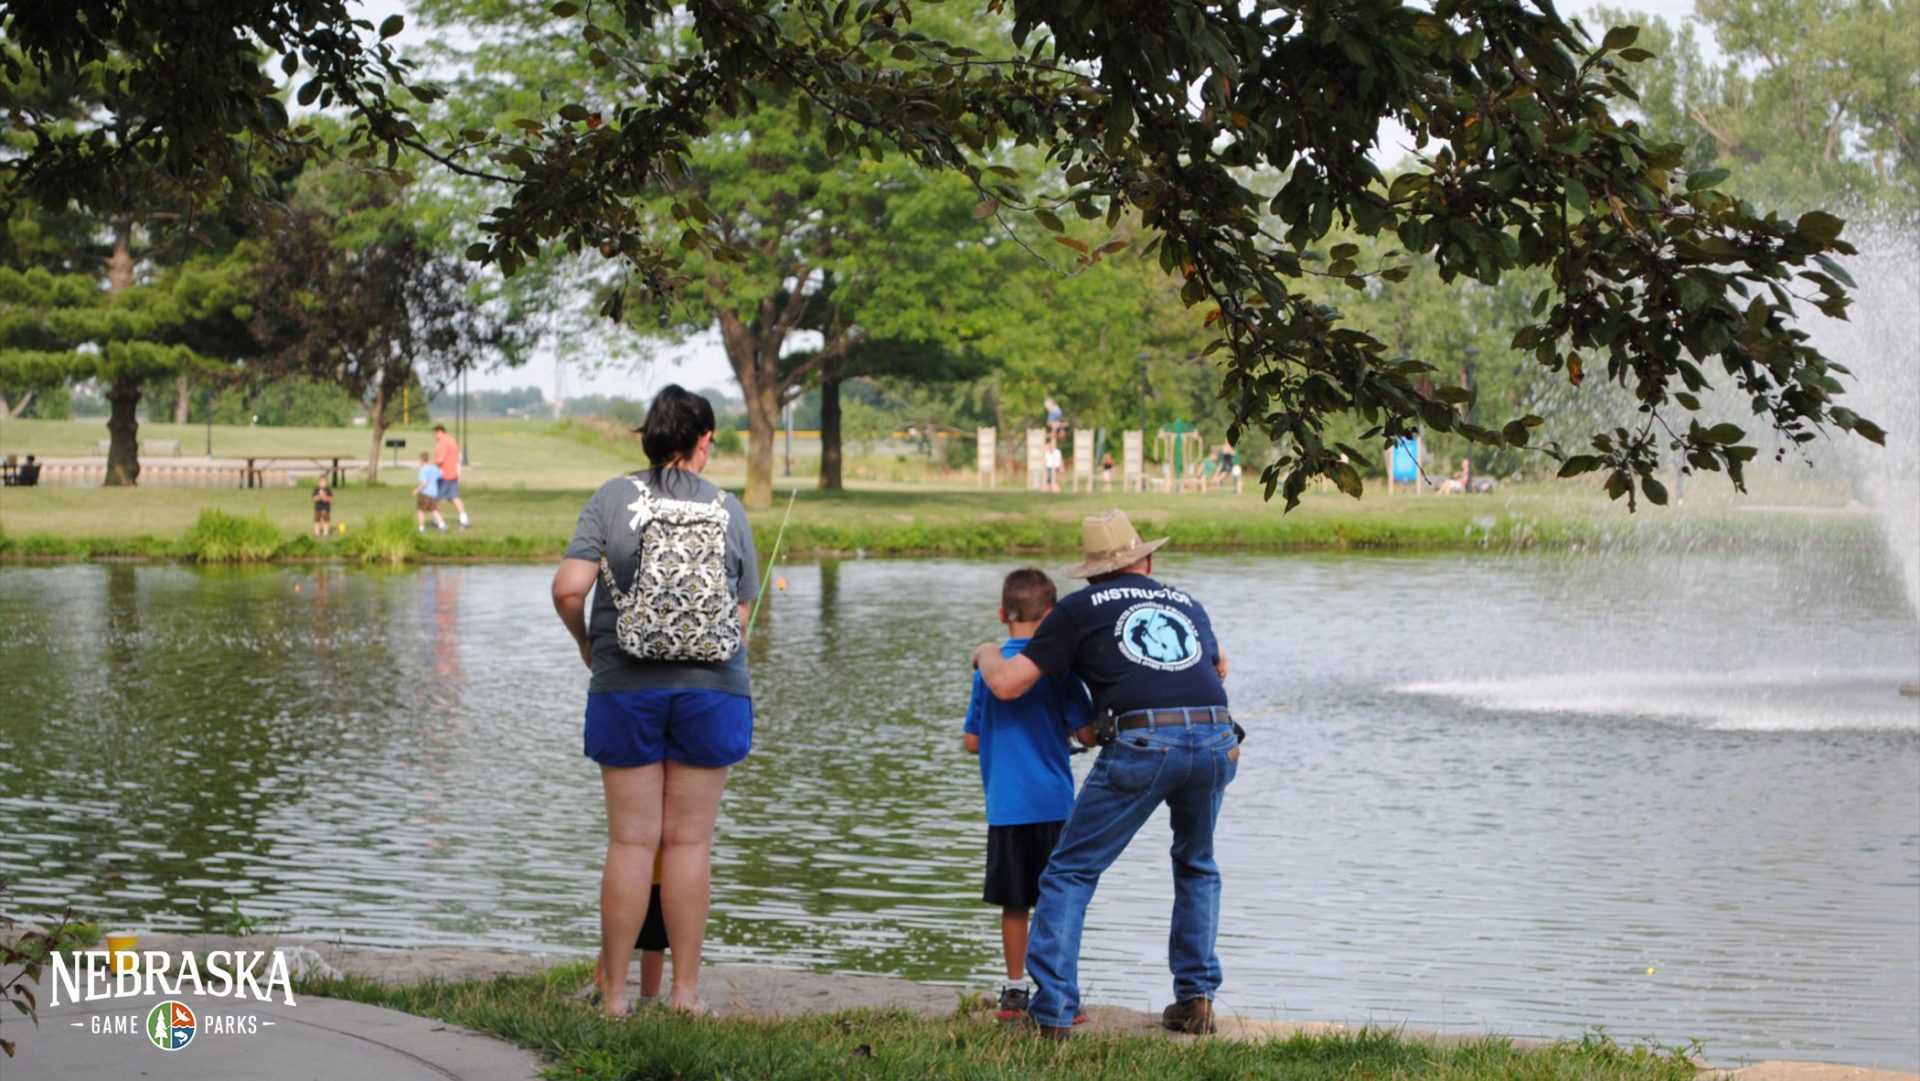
[(60, 328), (169, 274), (1239, 133), (349, 291), (1814, 100)]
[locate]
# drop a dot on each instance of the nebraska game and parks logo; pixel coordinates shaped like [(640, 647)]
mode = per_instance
[(170, 1025)]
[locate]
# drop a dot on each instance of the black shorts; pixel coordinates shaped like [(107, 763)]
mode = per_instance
[(1015, 857), (653, 933)]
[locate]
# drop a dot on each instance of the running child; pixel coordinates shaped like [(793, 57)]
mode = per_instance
[(426, 496)]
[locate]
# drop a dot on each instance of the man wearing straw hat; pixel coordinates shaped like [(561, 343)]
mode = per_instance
[(1148, 655)]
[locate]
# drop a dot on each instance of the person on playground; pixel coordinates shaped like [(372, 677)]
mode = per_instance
[(669, 706), (1148, 654), (446, 455), (1024, 750), (426, 496)]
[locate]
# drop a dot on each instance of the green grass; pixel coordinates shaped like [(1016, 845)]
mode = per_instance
[(80, 523), (219, 537), (501, 453), (539, 1013), (388, 538), (529, 480)]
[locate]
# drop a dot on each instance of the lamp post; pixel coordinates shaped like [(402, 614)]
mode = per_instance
[(789, 418), (1466, 378), (462, 422)]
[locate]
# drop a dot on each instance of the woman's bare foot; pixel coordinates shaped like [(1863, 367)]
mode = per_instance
[(612, 1003), (688, 1004)]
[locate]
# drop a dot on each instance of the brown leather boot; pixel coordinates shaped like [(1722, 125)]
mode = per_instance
[(1193, 1016)]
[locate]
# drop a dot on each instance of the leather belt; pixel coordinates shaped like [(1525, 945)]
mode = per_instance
[(1161, 718)]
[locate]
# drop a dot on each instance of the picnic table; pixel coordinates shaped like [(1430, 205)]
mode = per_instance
[(250, 475)]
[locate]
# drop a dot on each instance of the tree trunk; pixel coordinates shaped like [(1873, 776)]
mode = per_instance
[(120, 264), (10, 412), (377, 420), (123, 430), (760, 386), (123, 420), (181, 396), (830, 439), (763, 417)]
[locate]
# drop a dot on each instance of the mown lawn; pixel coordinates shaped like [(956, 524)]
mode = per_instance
[(538, 1012), (528, 480)]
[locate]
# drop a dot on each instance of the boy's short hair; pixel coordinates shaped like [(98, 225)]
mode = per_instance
[(1027, 594), (425, 457)]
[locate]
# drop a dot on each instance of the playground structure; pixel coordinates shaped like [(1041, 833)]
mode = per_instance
[(1179, 449), (1179, 462)]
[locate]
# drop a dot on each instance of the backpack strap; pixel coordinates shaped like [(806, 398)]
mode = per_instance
[(642, 507)]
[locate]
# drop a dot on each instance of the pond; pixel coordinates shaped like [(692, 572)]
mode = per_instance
[(1671, 794)]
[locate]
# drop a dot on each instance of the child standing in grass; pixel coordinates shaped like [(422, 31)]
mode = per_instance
[(1023, 752), (322, 507), (426, 496)]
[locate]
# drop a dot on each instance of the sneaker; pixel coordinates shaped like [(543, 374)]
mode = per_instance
[(1013, 1003), (1193, 1016), (443, 529), (422, 529)]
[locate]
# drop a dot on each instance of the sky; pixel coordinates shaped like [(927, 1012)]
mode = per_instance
[(700, 363)]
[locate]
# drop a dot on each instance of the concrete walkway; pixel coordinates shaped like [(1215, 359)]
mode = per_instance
[(323, 1039), (318, 1039)]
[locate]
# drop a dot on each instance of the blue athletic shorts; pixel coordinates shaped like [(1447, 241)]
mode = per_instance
[(449, 489), (693, 728)]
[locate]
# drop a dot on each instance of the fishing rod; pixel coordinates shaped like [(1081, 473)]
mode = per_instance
[(772, 558)]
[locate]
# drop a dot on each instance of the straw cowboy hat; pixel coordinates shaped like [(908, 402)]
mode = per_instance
[(1109, 542)]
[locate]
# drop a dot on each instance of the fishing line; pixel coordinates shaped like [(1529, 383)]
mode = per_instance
[(772, 558)]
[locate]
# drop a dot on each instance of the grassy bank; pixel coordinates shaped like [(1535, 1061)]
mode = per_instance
[(515, 524), (539, 1013)]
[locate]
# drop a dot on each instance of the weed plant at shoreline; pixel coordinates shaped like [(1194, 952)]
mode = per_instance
[(540, 1012), (219, 537), (210, 526)]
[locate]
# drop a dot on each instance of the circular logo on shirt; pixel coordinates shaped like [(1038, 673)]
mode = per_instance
[(1157, 636)]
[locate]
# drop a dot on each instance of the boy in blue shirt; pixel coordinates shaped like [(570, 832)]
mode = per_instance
[(1023, 749), (426, 496)]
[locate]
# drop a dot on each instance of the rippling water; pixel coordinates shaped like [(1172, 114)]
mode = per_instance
[(1675, 796)]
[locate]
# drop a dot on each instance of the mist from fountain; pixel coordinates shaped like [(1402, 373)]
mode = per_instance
[(1879, 342)]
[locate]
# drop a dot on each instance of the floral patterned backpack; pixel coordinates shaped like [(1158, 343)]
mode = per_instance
[(678, 607)]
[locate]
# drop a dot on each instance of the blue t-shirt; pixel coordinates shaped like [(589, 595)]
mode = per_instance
[(1024, 748), (430, 479), (1136, 643)]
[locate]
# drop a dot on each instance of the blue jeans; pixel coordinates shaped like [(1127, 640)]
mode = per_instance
[(1186, 768)]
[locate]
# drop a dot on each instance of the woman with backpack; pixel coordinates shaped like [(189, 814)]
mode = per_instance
[(669, 706)]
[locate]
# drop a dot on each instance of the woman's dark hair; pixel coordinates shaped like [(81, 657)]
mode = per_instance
[(675, 422)]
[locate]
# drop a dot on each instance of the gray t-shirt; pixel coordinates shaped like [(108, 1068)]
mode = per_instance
[(604, 530)]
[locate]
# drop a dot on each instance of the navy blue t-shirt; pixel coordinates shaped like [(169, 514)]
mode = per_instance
[(1136, 643)]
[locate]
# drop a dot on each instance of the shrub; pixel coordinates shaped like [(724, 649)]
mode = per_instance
[(219, 537), (386, 538)]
